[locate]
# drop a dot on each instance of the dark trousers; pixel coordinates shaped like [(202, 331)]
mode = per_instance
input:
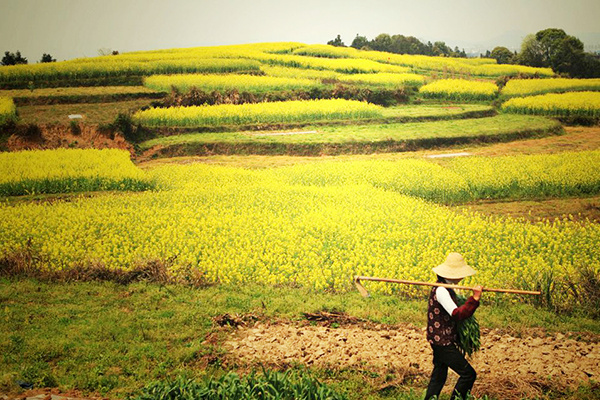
[(450, 356)]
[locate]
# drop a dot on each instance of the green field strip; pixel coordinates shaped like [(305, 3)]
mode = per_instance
[(397, 114), (357, 139)]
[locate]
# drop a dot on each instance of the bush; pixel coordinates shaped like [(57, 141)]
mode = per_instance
[(30, 132), (124, 125)]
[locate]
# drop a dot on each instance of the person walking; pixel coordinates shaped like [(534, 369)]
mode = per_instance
[(442, 333)]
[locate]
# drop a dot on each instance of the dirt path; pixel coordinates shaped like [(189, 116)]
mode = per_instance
[(507, 366)]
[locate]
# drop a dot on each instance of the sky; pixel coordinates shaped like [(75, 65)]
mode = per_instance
[(69, 29)]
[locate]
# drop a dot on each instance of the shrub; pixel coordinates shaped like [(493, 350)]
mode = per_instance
[(132, 132), (30, 132)]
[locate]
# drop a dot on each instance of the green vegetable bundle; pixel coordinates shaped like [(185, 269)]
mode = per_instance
[(468, 332)]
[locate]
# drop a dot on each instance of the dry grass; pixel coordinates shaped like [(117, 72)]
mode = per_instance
[(55, 136), (578, 209), (575, 139), (96, 113), (21, 263)]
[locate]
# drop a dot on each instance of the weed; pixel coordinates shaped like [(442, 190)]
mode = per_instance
[(75, 128)]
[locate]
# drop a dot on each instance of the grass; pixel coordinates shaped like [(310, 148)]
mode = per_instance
[(434, 110), (109, 338), (95, 113), (574, 139), (358, 138)]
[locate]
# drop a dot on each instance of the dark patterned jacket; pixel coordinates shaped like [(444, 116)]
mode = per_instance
[(441, 327)]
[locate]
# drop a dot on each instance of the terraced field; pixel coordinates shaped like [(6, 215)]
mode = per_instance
[(304, 165)]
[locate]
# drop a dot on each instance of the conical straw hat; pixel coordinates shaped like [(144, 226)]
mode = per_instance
[(454, 267)]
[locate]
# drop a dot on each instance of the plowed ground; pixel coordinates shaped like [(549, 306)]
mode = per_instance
[(507, 366)]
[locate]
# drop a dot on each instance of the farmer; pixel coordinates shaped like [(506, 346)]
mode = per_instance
[(441, 328)]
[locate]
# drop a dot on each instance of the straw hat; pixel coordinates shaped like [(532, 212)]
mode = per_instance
[(454, 267)]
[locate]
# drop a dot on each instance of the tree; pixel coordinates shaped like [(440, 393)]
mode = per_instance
[(105, 51), (549, 41), (531, 53), (47, 58), (440, 49), (359, 42), (337, 42), (502, 55), (383, 42), (590, 66), (555, 49), (568, 56), (429, 49), (13, 58)]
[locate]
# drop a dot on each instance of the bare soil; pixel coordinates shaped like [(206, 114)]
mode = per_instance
[(59, 136), (508, 367), (50, 394)]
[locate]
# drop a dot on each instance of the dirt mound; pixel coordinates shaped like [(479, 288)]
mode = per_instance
[(507, 366)]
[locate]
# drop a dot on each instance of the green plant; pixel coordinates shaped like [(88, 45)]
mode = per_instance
[(468, 332), (75, 128), (132, 132), (265, 386)]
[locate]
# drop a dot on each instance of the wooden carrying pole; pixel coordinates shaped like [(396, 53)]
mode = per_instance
[(364, 292)]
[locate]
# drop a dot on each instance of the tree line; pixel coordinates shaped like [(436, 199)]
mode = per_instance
[(552, 48), (548, 48), (400, 44), (16, 58)]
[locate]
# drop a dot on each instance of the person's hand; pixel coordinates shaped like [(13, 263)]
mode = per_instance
[(477, 290)]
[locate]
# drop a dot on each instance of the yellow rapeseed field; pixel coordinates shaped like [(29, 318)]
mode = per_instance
[(68, 170), (243, 83), (289, 72), (377, 79), (460, 89), (248, 58), (463, 179), (324, 50), (385, 79), (343, 65), (113, 66), (528, 87), (8, 111), (272, 112), (290, 227), (467, 66), (578, 104)]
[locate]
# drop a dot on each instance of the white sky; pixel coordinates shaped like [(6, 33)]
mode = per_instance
[(75, 28)]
